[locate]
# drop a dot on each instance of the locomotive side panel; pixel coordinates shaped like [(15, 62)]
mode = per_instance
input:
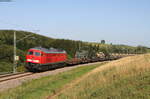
[(55, 57)]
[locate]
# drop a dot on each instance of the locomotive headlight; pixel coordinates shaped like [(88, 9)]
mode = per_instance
[(29, 60), (37, 61)]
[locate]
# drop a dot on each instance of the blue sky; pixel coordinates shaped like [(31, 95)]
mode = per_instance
[(116, 21)]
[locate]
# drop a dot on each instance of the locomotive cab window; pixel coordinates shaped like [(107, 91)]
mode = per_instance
[(30, 53), (37, 54)]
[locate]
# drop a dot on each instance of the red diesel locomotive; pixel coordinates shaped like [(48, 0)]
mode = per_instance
[(41, 59)]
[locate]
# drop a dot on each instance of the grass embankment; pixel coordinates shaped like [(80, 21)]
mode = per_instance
[(43, 87), (127, 78)]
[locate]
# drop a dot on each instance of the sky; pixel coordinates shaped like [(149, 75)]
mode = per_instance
[(115, 21)]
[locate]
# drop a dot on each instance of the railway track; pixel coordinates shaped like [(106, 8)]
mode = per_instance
[(8, 77), (10, 74)]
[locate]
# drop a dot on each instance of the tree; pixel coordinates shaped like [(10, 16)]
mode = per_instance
[(141, 49), (102, 41)]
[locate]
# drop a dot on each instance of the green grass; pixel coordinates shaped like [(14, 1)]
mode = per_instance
[(128, 78), (45, 86)]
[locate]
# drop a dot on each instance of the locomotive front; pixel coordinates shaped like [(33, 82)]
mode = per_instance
[(33, 59)]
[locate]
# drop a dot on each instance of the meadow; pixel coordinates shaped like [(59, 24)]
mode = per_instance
[(127, 78)]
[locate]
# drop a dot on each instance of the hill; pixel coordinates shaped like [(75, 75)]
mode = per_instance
[(127, 78), (35, 40)]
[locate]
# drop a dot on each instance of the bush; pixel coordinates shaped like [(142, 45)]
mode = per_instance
[(6, 66)]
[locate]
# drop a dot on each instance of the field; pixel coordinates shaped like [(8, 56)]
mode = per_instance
[(127, 78), (43, 87)]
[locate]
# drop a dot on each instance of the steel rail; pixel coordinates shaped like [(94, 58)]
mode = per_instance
[(10, 74), (15, 76)]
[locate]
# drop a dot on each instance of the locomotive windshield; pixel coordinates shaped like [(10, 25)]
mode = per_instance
[(34, 53), (37, 54), (30, 53)]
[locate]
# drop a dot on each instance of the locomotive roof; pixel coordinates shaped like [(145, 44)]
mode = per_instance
[(51, 50)]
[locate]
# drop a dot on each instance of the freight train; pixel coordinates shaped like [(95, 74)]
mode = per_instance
[(42, 59)]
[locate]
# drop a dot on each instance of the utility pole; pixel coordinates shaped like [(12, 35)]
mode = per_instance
[(14, 67), (16, 58)]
